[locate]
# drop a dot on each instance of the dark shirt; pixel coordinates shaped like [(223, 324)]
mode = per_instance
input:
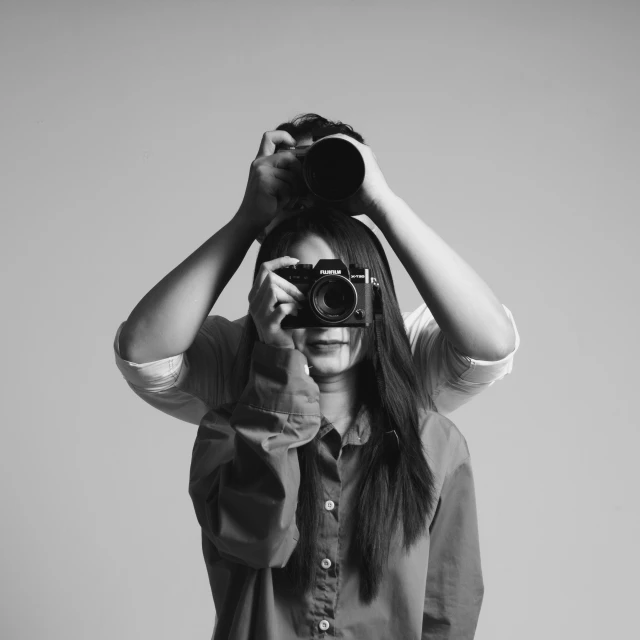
[(244, 483)]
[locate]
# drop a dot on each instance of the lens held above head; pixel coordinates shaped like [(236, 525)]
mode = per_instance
[(333, 169), (333, 298)]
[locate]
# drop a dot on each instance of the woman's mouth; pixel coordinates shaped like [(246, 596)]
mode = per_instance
[(325, 345)]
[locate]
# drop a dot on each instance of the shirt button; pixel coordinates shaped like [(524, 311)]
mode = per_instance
[(329, 505), (324, 625), (326, 563)]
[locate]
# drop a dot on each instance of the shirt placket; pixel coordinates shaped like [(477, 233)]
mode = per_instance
[(327, 550)]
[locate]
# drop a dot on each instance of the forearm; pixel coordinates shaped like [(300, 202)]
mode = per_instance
[(165, 322), (462, 303), (247, 504)]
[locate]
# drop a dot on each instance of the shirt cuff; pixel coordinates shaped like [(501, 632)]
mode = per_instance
[(280, 382), (156, 376)]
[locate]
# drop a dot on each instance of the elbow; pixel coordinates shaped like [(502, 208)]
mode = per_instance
[(503, 344), (489, 353), (495, 341), (126, 345), (500, 352), (508, 344), (137, 344)]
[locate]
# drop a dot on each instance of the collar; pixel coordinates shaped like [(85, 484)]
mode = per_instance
[(357, 434)]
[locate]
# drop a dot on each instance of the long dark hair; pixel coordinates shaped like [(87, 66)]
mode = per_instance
[(396, 492)]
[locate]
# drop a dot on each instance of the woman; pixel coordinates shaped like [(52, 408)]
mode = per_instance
[(334, 499)]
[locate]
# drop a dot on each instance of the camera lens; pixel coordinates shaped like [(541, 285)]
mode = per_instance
[(333, 298), (333, 169)]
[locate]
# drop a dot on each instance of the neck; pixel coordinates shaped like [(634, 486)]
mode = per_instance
[(339, 398)]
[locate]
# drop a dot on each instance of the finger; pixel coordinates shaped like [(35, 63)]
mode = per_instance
[(271, 139), (282, 185), (266, 303), (281, 311), (281, 284), (278, 296), (287, 176), (274, 281), (279, 263), (269, 295), (289, 190), (275, 290), (286, 160), (266, 268)]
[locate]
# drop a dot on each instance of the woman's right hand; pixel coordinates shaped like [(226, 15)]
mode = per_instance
[(275, 180), (271, 299)]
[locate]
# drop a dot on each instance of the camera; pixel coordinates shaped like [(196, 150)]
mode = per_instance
[(333, 168), (337, 296)]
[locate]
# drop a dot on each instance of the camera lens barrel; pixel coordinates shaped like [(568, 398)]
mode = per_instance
[(333, 298), (333, 169)]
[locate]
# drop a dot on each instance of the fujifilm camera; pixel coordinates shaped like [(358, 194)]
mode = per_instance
[(336, 296)]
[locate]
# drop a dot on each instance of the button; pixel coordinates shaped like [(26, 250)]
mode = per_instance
[(326, 563), (324, 625), (329, 505), (306, 369)]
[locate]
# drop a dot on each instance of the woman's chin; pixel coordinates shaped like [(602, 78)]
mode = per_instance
[(328, 359), (326, 364)]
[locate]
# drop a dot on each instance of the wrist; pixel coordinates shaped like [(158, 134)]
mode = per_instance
[(246, 224), (383, 206)]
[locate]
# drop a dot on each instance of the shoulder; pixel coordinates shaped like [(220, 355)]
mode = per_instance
[(214, 326), (210, 360), (418, 322), (444, 444), (218, 335)]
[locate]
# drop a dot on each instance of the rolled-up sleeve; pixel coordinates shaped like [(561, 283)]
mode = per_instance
[(455, 586), (245, 501), (448, 377), (188, 385)]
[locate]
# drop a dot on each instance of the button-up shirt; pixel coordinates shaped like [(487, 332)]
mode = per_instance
[(433, 591), (244, 485)]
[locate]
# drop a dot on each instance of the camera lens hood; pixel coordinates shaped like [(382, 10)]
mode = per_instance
[(333, 169)]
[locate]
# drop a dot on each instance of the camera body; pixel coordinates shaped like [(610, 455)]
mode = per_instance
[(337, 295), (333, 168)]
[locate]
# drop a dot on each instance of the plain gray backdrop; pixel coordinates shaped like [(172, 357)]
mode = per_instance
[(127, 130)]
